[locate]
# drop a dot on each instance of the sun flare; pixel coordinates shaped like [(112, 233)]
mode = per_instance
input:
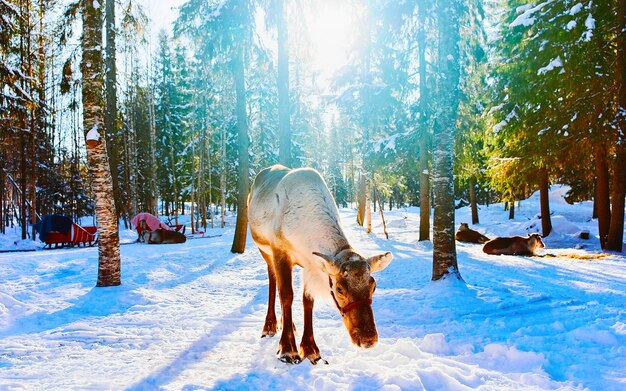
[(332, 28)]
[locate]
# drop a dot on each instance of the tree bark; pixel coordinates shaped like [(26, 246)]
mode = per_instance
[(93, 121), (615, 237), (601, 201), (544, 187), (368, 211), (512, 209), (594, 213), (618, 188), (243, 183), (444, 246), (361, 201), (474, 207), (424, 139), (223, 179), (153, 196), (284, 154), (382, 215), (110, 114), (2, 191), (23, 221)]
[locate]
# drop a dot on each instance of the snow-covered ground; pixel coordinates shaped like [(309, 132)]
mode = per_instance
[(190, 316)]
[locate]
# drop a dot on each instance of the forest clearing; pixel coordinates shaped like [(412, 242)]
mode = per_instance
[(190, 316), (449, 176)]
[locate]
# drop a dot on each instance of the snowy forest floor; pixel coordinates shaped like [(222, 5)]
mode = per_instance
[(189, 316)]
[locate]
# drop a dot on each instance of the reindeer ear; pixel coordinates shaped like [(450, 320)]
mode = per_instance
[(328, 264), (379, 262)]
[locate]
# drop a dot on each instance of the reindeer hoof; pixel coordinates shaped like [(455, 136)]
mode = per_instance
[(269, 329), (312, 353), (314, 361), (268, 333), (290, 358)]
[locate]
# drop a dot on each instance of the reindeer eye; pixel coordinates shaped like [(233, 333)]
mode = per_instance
[(340, 291)]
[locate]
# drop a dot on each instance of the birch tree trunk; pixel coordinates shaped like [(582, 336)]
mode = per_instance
[(284, 153), (93, 126), (444, 246), (243, 183), (110, 114)]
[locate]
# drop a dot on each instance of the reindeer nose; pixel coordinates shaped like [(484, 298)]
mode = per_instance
[(368, 342), (365, 338)]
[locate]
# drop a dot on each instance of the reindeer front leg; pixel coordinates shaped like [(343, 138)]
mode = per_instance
[(308, 347), (287, 351)]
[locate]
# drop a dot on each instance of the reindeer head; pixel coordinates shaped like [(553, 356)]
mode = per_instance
[(464, 227), (352, 288), (535, 241)]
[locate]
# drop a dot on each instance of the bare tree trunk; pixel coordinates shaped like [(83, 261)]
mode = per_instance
[(24, 28), (93, 121), (472, 194), (601, 201), (175, 194), (424, 139), (33, 129), (134, 194), (544, 187), (193, 191), (223, 179), (512, 209), (618, 187), (23, 221), (2, 191), (284, 154), (444, 246), (241, 228), (615, 238), (382, 215), (211, 215), (368, 211), (153, 206), (361, 200)]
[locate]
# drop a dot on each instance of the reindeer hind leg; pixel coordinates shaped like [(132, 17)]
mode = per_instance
[(269, 329)]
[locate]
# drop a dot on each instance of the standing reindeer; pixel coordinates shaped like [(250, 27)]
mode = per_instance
[(294, 221)]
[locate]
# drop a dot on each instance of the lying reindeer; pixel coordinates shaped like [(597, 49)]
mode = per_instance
[(162, 236), (514, 245), (294, 221), (466, 234)]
